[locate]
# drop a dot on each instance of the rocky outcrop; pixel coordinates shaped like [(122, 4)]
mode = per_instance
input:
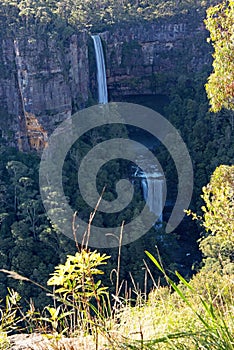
[(41, 82), (44, 80), (36, 341)]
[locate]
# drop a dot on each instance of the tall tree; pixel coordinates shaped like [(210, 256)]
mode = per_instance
[(220, 86), (218, 245)]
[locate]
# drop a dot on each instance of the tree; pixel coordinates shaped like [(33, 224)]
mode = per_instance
[(17, 171), (218, 244), (220, 86)]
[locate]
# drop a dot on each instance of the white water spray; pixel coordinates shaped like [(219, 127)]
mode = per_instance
[(101, 70)]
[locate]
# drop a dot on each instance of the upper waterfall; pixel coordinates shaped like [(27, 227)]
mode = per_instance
[(101, 70)]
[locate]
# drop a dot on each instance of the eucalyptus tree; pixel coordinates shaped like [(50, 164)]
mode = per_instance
[(220, 85)]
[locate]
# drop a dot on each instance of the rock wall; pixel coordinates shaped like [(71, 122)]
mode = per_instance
[(44, 80), (41, 83), (138, 56)]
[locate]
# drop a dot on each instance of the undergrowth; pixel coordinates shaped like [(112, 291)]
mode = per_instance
[(183, 316), (187, 315), (195, 314)]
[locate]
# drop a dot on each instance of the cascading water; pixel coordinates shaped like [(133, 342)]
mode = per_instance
[(152, 189), (153, 185), (101, 70)]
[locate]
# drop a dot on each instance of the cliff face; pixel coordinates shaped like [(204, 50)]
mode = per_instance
[(42, 82), (139, 57)]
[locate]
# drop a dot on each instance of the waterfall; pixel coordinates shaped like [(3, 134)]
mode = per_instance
[(101, 70), (152, 189)]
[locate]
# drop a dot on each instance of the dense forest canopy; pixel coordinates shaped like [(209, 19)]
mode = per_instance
[(90, 14)]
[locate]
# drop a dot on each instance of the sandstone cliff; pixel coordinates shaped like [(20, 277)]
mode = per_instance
[(41, 82), (44, 80), (140, 56)]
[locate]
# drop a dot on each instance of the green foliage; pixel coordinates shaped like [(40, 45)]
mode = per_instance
[(197, 315), (76, 271), (90, 14), (220, 86), (184, 319), (75, 286), (9, 317), (56, 319), (28, 244), (80, 302), (218, 220)]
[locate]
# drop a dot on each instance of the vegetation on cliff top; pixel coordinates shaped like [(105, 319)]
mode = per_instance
[(90, 14)]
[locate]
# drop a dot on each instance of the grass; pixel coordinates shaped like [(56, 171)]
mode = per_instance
[(182, 316), (198, 314), (188, 315)]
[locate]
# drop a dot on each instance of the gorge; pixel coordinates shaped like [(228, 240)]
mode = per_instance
[(46, 75), (48, 82)]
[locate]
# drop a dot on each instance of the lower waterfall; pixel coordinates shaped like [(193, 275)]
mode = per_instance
[(152, 189)]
